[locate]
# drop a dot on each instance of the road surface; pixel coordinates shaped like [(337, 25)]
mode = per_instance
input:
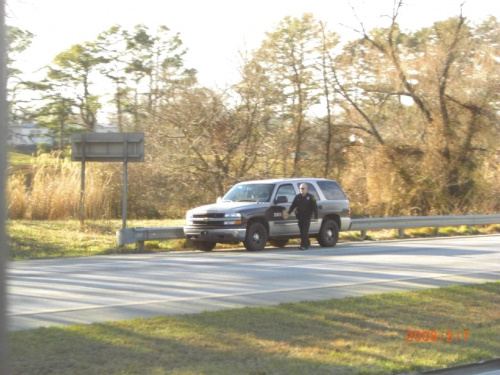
[(105, 288)]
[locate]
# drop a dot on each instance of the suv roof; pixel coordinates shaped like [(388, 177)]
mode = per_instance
[(275, 180)]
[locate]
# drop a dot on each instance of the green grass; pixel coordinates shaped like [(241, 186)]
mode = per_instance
[(363, 335), (18, 159), (67, 238)]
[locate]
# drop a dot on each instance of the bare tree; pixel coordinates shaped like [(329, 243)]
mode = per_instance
[(288, 56)]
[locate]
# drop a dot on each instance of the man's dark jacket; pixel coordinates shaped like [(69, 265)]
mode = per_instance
[(306, 206)]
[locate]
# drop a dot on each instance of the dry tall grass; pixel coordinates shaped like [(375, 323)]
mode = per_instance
[(53, 191)]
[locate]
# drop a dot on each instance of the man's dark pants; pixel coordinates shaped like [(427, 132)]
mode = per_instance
[(304, 224)]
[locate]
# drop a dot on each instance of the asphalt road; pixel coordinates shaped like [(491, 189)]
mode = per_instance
[(104, 288)]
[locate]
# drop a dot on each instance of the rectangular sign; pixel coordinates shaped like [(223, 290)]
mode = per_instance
[(107, 147)]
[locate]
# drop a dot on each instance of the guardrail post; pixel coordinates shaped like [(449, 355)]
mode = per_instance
[(363, 235), (140, 246), (401, 233)]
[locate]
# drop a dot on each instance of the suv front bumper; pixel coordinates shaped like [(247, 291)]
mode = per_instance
[(216, 235)]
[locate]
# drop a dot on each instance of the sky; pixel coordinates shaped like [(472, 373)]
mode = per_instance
[(214, 31)]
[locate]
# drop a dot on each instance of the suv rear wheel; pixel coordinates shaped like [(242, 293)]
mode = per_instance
[(328, 234), (256, 237)]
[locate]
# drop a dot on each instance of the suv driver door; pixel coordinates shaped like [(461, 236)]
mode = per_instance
[(278, 225)]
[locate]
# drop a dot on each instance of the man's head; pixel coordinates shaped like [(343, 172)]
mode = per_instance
[(303, 189)]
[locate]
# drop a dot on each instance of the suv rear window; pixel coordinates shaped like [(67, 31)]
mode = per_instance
[(331, 190)]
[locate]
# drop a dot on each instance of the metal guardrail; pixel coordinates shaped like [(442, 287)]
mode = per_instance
[(140, 235), (406, 222)]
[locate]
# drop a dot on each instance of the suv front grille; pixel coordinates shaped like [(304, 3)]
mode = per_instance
[(209, 216), (205, 220)]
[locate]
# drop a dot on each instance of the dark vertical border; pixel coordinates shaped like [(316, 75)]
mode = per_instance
[(4, 365)]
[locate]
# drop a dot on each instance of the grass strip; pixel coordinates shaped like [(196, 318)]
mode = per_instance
[(32, 239), (18, 159), (362, 335)]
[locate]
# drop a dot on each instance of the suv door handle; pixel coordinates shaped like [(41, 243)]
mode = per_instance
[(320, 207)]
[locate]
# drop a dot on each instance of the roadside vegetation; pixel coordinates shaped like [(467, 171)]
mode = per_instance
[(363, 335)]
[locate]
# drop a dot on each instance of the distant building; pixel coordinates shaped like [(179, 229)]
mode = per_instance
[(25, 137)]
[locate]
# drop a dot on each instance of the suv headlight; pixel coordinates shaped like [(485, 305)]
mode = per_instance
[(189, 218), (233, 219)]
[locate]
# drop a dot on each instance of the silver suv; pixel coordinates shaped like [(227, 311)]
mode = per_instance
[(252, 212)]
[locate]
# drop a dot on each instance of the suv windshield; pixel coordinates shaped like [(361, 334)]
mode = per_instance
[(249, 193)]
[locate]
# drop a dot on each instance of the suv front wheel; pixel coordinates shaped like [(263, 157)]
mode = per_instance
[(328, 234), (256, 237)]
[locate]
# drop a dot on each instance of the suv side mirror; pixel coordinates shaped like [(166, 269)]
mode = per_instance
[(281, 199)]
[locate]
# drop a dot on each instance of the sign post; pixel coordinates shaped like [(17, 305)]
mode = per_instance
[(107, 147)]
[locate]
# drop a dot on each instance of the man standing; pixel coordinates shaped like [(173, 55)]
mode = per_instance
[(305, 203)]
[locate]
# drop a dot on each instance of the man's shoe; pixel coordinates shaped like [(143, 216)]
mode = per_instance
[(302, 248)]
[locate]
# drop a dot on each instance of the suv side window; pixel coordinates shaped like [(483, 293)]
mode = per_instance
[(310, 189), (331, 190), (287, 191)]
